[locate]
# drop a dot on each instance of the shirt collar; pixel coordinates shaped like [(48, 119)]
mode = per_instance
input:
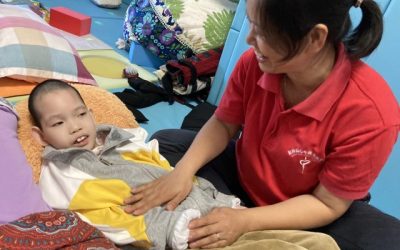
[(270, 82), (318, 104)]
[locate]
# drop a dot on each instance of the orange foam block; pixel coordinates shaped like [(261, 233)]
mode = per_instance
[(70, 21)]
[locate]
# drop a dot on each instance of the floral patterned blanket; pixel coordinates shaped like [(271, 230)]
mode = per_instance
[(52, 230), (169, 28)]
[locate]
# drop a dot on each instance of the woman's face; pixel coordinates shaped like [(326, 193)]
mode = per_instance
[(269, 58)]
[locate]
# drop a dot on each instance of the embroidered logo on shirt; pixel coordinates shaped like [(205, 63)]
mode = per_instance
[(304, 163), (308, 156)]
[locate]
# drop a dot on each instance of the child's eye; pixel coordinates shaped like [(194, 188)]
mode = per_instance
[(82, 113), (57, 124)]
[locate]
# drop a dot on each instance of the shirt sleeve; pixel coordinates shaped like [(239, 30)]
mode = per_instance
[(231, 107), (354, 164)]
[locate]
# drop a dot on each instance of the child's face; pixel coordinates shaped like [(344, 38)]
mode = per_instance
[(65, 120)]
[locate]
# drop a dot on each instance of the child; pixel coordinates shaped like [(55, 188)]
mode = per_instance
[(90, 169)]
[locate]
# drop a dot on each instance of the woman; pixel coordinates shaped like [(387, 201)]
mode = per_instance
[(317, 125)]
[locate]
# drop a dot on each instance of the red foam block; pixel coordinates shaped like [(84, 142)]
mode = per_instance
[(70, 21)]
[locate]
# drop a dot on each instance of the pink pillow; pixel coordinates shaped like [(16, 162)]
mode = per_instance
[(19, 194)]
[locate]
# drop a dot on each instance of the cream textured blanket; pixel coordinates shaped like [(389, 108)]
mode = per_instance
[(284, 240)]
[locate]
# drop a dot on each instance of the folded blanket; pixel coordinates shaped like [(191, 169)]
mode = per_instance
[(283, 240), (287, 239)]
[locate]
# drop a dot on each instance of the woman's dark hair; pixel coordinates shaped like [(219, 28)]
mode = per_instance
[(45, 87), (289, 21)]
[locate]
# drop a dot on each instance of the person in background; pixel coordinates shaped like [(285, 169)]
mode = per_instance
[(19, 194), (317, 125)]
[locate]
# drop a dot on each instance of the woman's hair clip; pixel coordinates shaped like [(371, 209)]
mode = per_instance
[(358, 3)]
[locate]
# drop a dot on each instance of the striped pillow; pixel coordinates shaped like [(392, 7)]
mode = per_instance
[(32, 50)]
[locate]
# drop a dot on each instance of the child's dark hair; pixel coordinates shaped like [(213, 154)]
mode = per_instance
[(44, 87), (290, 20)]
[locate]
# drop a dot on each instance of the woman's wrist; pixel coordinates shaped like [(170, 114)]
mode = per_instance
[(185, 170)]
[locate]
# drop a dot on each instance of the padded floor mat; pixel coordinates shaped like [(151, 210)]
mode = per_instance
[(106, 66)]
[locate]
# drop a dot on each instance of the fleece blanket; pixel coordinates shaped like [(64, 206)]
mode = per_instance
[(283, 240)]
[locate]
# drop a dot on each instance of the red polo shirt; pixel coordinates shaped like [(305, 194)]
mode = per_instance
[(340, 136)]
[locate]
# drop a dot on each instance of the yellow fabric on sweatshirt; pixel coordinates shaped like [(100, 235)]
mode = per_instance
[(101, 202), (148, 157)]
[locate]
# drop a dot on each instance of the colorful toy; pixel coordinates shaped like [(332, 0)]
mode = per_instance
[(39, 9)]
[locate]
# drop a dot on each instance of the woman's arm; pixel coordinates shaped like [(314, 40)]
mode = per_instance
[(211, 140), (171, 189), (301, 212)]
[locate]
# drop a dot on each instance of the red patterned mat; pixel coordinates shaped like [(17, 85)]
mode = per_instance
[(52, 230)]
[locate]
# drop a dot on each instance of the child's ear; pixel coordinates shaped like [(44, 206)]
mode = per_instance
[(38, 136)]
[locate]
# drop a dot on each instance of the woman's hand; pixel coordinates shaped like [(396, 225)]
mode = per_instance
[(220, 228), (169, 189)]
